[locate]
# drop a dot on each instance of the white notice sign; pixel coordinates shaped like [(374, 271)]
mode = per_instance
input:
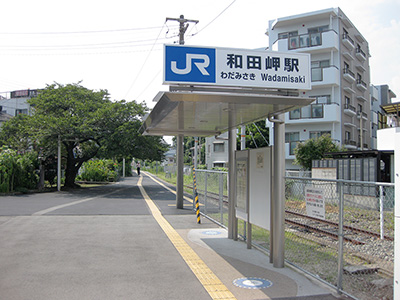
[(315, 202)]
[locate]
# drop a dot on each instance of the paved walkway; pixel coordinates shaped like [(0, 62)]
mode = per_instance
[(128, 241)]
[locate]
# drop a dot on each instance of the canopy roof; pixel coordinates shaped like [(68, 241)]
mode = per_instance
[(392, 108), (198, 113)]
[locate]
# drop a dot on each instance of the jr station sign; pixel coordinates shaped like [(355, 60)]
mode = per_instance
[(236, 67)]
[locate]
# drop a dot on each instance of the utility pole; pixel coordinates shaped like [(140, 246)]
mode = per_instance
[(183, 26)]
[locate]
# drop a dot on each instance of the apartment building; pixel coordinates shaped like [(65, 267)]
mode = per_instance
[(340, 79), (381, 95)]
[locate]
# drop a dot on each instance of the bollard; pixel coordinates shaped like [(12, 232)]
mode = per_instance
[(196, 197)]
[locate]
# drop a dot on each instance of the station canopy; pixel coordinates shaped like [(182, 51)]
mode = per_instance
[(212, 112)]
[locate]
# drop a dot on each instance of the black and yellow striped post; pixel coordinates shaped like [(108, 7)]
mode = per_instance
[(196, 197)]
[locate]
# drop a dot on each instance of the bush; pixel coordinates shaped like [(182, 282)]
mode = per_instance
[(101, 170), (18, 171)]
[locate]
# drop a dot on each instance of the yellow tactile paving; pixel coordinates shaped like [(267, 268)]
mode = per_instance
[(215, 288)]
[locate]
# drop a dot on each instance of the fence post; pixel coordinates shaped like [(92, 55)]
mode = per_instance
[(221, 195), (205, 192), (381, 198), (340, 235)]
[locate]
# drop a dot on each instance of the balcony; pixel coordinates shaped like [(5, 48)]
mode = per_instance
[(361, 85), (325, 77), (348, 42), (313, 43), (361, 68), (350, 144), (363, 114), (348, 75), (348, 56), (361, 55), (349, 110), (349, 125), (361, 98)]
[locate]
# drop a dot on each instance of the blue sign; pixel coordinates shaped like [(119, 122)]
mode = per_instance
[(188, 64), (236, 67)]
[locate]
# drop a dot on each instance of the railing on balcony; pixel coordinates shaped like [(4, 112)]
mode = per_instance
[(348, 40), (361, 84), (305, 40), (348, 75), (360, 54), (350, 108), (350, 143), (362, 114)]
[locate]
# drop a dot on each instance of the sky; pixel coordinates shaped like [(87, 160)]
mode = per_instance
[(117, 45)]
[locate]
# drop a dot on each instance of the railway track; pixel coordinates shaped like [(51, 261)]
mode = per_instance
[(336, 225), (319, 226)]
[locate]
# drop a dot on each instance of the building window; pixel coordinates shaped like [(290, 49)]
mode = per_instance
[(307, 112), (292, 138), (347, 135), (317, 134), (347, 101), (285, 35), (318, 29), (219, 147), (324, 99), (294, 114), (21, 111), (382, 121), (316, 72), (219, 165)]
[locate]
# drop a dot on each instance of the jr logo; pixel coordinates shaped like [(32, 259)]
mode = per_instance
[(189, 64), (200, 65)]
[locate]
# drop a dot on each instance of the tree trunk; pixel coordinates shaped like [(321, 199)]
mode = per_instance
[(70, 171)]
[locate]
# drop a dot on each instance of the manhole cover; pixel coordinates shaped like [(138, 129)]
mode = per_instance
[(252, 283)]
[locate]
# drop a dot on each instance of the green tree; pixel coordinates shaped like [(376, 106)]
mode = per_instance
[(314, 149), (257, 135), (88, 123)]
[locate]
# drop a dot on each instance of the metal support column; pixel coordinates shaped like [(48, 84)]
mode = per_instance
[(279, 193), (232, 220), (179, 171)]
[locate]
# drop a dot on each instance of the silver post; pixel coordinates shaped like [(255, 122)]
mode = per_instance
[(232, 220), (381, 198), (179, 176), (340, 234), (221, 195), (279, 193)]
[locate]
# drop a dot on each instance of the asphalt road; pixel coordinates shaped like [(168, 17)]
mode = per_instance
[(91, 243)]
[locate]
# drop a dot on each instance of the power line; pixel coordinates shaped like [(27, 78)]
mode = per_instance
[(144, 63), (215, 18), (78, 32)]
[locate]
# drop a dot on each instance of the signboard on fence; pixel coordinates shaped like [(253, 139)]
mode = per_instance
[(236, 67), (315, 202)]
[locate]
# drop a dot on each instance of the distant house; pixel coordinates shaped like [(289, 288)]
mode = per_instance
[(16, 102)]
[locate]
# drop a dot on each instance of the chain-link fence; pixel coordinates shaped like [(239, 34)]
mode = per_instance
[(212, 187), (340, 231), (343, 232)]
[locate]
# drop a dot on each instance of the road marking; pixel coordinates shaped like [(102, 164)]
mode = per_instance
[(47, 210), (215, 288)]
